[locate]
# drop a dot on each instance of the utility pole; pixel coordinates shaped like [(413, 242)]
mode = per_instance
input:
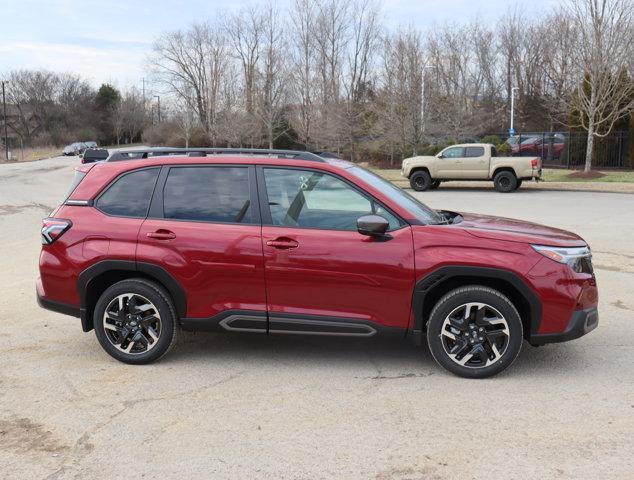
[(4, 116), (158, 98), (512, 130)]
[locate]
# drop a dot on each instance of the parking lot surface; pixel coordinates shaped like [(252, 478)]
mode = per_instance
[(238, 406)]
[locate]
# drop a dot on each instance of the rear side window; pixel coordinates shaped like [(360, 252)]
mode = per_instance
[(474, 152), (130, 194), (208, 194)]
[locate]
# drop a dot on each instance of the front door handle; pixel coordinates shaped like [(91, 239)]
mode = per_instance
[(283, 243), (162, 234)]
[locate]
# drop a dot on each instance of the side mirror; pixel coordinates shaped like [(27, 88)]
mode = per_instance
[(372, 225), (440, 155)]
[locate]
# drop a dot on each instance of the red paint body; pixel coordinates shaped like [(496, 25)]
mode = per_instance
[(344, 274)]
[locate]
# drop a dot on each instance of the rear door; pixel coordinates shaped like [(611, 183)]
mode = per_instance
[(475, 163), (322, 276), (204, 229)]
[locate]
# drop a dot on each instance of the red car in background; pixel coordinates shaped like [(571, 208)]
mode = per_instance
[(544, 146)]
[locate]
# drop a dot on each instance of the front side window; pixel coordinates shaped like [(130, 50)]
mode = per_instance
[(453, 152), (474, 152), (130, 194), (310, 199), (208, 194)]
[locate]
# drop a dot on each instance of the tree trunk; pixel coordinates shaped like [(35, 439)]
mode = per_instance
[(589, 147)]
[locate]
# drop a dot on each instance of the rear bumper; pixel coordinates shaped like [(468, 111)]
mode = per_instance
[(59, 307), (581, 323)]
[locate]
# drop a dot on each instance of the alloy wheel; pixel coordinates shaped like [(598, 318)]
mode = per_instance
[(475, 335), (132, 323)]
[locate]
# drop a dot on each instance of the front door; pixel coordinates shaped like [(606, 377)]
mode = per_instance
[(322, 276), (449, 165), (204, 228)]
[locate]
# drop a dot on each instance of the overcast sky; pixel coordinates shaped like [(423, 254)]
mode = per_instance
[(108, 41)]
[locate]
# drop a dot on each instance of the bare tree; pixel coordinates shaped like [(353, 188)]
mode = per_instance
[(191, 65), (272, 88), (401, 82), (246, 31), (603, 53), (303, 74)]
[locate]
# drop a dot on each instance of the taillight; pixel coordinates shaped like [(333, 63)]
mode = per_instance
[(534, 163), (53, 228)]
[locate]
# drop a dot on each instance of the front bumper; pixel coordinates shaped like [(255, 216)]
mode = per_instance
[(581, 322)]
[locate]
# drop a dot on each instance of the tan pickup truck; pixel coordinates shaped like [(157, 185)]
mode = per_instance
[(471, 161)]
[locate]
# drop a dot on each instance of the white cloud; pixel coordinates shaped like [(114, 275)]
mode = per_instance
[(95, 64)]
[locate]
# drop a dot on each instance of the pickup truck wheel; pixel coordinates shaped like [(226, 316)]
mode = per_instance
[(434, 185), (420, 181), (474, 332), (505, 181)]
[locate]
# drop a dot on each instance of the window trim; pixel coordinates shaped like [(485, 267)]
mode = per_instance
[(267, 218), (116, 179), (157, 212)]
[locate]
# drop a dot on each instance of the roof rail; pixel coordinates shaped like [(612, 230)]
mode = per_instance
[(203, 152)]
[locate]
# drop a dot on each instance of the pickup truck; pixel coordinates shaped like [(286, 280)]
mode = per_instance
[(472, 161)]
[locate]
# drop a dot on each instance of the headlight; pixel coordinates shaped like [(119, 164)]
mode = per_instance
[(577, 258)]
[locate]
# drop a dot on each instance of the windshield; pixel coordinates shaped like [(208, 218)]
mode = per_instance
[(420, 210)]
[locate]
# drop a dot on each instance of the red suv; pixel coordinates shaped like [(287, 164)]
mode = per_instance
[(278, 242)]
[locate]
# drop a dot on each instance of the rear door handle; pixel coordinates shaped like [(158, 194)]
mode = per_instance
[(282, 243), (162, 235)]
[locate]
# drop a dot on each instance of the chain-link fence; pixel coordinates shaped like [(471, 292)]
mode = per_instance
[(568, 149)]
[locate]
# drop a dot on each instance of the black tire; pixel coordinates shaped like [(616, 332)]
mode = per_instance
[(420, 181), (481, 352), (434, 185), (505, 181), (519, 184), (166, 321)]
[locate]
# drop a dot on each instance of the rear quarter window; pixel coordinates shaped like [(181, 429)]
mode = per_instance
[(79, 176), (130, 194)]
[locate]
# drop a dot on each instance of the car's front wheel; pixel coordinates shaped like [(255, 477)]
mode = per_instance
[(474, 332), (420, 181), (135, 321)]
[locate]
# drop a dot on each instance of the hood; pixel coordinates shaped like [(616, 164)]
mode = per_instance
[(499, 228)]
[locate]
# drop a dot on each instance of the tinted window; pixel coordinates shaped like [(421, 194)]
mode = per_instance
[(130, 194), (304, 198), (454, 152), (211, 194), (474, 151), (98, 154)]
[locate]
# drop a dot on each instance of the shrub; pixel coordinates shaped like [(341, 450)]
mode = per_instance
[(504, 148), (494, 139)]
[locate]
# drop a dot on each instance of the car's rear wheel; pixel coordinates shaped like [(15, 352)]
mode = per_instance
[(505, 181), (474, 332), (135, 321), (420, 181)]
